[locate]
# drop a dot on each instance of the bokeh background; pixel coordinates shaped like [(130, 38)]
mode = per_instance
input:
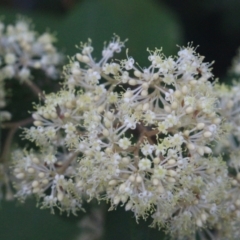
[(214, 25)]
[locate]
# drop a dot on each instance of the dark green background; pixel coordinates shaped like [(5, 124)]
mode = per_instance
[(214, 25)]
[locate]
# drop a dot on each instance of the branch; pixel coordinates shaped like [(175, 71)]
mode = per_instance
[(13, 128), (67, 163), (35, 89), (18, 123)]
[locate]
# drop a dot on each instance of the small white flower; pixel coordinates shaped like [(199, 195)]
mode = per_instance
[(10, 58), (50, 159), (92, 77), (159, 172), (144, 164), (124, 143), (24, 74), (128, 64), (147, 149)]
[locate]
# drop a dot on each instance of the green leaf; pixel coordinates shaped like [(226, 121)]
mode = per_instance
[(144, 23), (42, 22), (26, 222), (122, 225)]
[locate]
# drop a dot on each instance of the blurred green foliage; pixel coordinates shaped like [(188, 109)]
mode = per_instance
[(26, 222), (145, 24)]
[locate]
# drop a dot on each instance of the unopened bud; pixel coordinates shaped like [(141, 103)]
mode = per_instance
[(207, 150), (171, 161), (145, 106), (109, 115), (144, 93), (132, 82), (161, 189), (167, 109), (124, 198), (53, 115), (60, 196), (35, 184), (207, 134), (189, 110), (128, 94), (37, 123), (199, 222), (132, 178), (128, 206), (216, 120), (31, 170), (184, 90), (155, 182), (116, 200), (35, 160), (105, 132), (145, 85), (172, 173), (200, 126), (174, 105), (191, 146), (156, 160), (204, 217), (200, 150), (85, 59), (45, 181), (138, 179), (112, 182), (125, 160), (20, 175), (171, 179), (137, 73), (177, 94), (237, 203), (66, 114), (41, 174), (79, 57)]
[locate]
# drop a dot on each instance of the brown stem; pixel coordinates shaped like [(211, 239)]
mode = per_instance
[(35, 89), (152, 133), (8, 142), (18, 123), (7, 145), (67, 163), (108, 78), (142, 131)]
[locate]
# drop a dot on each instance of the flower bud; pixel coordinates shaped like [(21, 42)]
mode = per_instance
[(137, 73), (200, 126), (35, 184), (128, 206)]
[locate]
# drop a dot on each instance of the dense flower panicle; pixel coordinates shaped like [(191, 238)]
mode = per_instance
[(142, 138), (22, 50), (228, 104), (40, 172)]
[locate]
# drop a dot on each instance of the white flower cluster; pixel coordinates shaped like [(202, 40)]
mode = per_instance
[(21, 51), (42, 172), (136, 137), (229, 107), (228, 103)]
